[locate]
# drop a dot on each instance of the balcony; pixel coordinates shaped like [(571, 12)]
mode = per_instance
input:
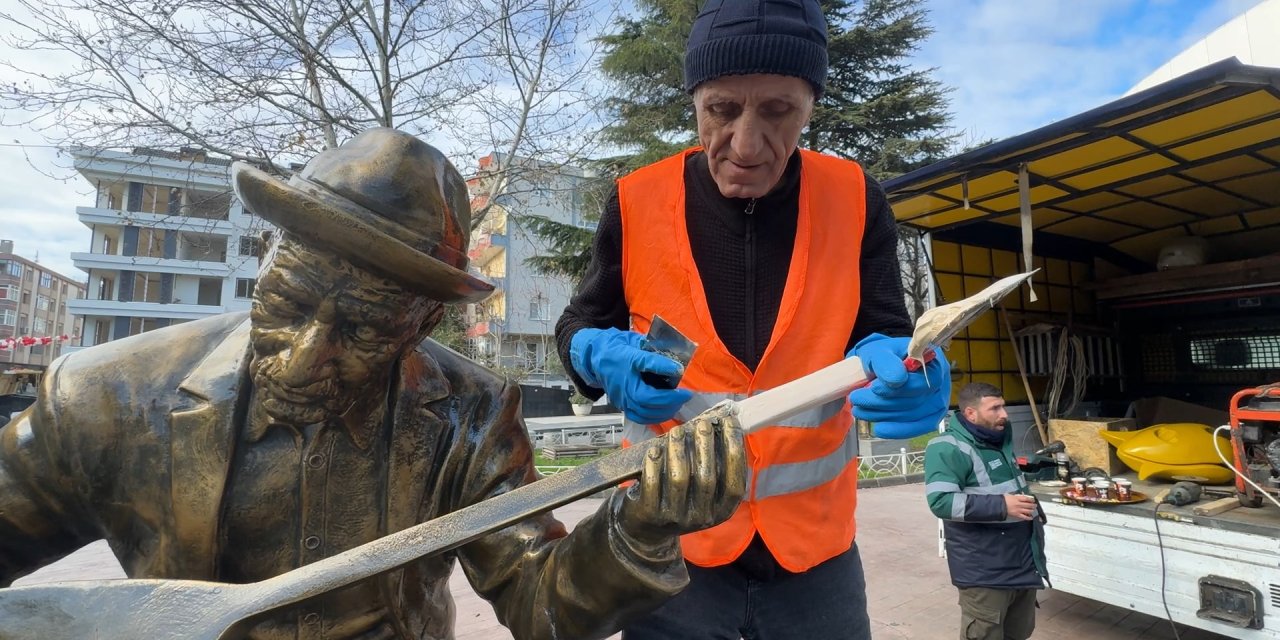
[(90, 216), (112, 308), (486, 247), (499, 282), (87, 261)]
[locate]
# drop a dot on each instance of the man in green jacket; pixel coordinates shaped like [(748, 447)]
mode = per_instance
[(995, 541)]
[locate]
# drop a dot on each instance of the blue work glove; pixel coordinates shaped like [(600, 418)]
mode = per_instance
[(899, 403), (612, 360)]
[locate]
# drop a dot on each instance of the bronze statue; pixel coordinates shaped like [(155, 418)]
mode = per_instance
[(239, 447)]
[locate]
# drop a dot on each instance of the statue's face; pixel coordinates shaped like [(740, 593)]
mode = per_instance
[(327, 334)]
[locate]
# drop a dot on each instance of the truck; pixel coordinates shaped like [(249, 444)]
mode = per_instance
[(18, 385), (1154, 223)]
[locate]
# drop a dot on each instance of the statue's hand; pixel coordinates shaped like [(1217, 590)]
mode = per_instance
[(694, 478)]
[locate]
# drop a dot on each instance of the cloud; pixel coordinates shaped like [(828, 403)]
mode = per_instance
[(39, 193), (1016, 66)]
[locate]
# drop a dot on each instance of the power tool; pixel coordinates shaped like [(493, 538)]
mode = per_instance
[(1183, 493), (1043, 458), (1255, 439)]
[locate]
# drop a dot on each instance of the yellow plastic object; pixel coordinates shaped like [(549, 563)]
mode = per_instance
[(1172, 452)]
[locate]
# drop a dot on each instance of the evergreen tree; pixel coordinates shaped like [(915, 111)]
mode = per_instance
[(876, 109)]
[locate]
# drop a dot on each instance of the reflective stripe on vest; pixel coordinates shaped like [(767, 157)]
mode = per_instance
[(793, 477), (779, 479)]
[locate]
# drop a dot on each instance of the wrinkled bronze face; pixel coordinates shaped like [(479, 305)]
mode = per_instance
[(326, 334)]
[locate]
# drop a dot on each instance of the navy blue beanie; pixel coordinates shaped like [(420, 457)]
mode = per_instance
[(739, 37)]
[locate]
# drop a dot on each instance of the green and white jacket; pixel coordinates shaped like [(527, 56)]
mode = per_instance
[(966, 481)]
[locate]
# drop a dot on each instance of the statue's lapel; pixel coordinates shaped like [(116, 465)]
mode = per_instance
[(201, 443), (417, 436)]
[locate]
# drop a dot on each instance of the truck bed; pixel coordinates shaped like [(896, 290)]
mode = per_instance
[(1112, 554)]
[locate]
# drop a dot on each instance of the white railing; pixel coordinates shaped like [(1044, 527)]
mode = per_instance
[(893, 464), (545, 470)]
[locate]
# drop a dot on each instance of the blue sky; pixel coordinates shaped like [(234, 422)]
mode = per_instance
[(1013, 65)]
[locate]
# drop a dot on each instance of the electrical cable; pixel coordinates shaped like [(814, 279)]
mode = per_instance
[(1236, 471), (1164, 597), (1069, 360)]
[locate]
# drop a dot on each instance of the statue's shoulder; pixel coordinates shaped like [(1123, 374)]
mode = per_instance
[(454, 366), (155, 351)]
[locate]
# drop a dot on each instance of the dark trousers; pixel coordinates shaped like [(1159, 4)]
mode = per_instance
[(997, 614), (755, 599)]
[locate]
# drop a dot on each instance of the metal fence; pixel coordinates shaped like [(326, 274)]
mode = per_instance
[(902, 463)]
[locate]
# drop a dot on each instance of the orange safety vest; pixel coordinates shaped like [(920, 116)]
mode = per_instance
[(804, 472)]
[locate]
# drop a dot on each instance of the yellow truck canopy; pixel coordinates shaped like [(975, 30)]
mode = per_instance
[(1198, 155)]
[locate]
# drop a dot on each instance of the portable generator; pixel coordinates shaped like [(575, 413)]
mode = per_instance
[(1255, 439)]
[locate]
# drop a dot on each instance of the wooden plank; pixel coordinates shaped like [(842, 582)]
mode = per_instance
[(1240, 273), (1217, 506), (1085, 446)]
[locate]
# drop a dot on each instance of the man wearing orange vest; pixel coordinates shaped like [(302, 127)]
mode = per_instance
[(777, 262)]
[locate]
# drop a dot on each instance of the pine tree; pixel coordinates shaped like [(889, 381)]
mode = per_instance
[(568, 247), (876, 109)]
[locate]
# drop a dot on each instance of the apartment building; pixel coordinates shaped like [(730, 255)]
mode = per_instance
[(169, 242), (514, 329), (36, 323)]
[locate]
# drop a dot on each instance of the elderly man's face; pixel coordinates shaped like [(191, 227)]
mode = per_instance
[(750, 125), (326, 334)]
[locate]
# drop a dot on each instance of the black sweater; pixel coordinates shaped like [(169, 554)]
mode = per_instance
[(743, 259)]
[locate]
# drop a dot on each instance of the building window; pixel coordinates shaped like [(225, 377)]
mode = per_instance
[(210, 205), (244, 287), (537, 310), (46, 280), (154, 199), (43, 303), (7, 318), (151, 243), (147, 287), (248, 246), (15, 269), (106, 288), (26, 297), (40, 326), (101, 332), (114, 194), (531, 355), (8, 292), (142, 325)]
